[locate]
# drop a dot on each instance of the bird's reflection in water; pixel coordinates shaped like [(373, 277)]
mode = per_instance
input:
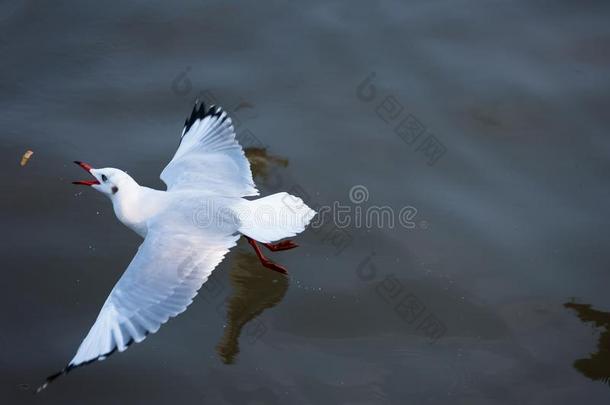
[(597, 366), (262, 163), (255, 289)]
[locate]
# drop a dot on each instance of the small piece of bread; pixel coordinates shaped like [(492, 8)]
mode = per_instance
[(26, 156)]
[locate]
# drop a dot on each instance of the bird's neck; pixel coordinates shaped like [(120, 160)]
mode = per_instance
[(134, 205)]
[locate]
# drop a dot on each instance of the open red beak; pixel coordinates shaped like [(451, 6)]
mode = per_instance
[(88, 168)]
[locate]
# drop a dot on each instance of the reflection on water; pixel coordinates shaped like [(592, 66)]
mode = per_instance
[(255, 289), (597, 366), (262, 162), (243, 104)]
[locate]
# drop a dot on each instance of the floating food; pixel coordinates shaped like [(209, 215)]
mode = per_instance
[(26, 156)]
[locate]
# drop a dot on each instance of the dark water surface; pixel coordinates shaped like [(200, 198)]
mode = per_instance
[(497, 294)]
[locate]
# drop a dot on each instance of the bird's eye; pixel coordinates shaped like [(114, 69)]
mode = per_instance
[(104, 178)]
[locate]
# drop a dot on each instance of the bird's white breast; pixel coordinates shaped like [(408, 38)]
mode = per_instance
[(135, 207)]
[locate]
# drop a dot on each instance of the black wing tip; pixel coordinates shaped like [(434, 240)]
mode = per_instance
[(71, 367), (54, 377), (200, 112)]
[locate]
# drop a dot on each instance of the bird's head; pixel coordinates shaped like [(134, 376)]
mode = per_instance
[(108, 181)]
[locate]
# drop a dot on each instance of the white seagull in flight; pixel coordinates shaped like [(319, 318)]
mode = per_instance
[(187, 231)]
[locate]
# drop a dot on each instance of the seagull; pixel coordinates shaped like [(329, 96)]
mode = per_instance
[(187, 229)]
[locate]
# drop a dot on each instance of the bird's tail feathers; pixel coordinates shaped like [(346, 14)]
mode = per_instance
[(274, 217)]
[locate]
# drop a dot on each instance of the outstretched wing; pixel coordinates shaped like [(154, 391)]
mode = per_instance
[(209, 158), (159, 283)]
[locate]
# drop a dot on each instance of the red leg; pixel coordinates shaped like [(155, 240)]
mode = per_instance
[(264, 261), (283, 245)]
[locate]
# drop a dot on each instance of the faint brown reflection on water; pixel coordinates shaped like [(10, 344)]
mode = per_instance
[(255, 289), (261, 162), (597, 365)]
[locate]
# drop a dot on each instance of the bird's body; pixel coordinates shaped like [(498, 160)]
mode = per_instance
[(187, 231), (137, 207)]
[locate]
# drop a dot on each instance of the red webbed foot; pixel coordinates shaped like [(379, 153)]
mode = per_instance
[(283, 245)]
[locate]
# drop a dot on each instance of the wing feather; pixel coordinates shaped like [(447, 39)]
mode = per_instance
[(160, 282), (209, 158)]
